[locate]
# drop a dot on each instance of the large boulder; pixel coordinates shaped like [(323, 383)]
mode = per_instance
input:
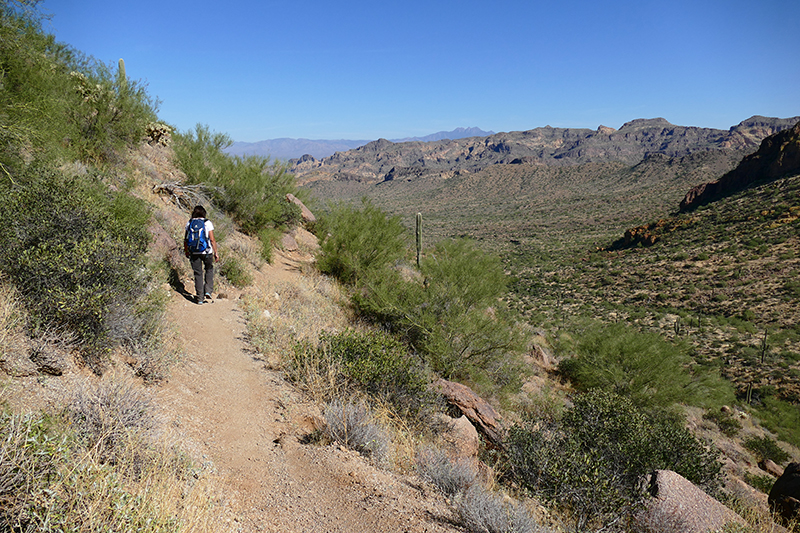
[(675, 504), (305, 212), (460, 438), (784, 498), (475, 408)]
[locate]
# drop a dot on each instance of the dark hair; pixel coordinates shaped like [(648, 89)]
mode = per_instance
[(199, 212)]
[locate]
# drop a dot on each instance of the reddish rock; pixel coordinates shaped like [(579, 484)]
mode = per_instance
[(461, 438), (770, 467), (165, 246), (476, 409)]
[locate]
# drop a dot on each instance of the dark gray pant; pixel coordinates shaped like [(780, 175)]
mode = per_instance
[(203, 284)]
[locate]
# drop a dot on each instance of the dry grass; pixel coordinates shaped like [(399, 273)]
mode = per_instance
[(103, 467), (12, 337), (281, 313)]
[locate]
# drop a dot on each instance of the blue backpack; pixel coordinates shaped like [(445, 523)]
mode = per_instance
[(196, 238)]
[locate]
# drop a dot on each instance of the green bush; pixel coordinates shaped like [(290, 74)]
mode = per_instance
[(360, 244), (765, 448), (234, 271), (74, 250), (252, 189), (764, 483), (591, 461), (727, 423), (453, 313), (380, 365), (638, 364), (55, 102), (781, 417)]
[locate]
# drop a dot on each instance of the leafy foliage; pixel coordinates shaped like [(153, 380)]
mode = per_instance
[(74, 251), (639, 364), (359, 245), (376, 363), (590, 461), (54, 101), (452, 313), (252, 188), (766, 448)]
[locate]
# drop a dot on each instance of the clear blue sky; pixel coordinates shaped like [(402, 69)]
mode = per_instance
[(317, 69)]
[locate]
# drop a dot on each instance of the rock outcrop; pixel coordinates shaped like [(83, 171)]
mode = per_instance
[(784, 498), (778, 155), (676, 504), (475, 408)]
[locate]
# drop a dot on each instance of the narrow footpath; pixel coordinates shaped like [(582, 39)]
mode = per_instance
[(247, 425)]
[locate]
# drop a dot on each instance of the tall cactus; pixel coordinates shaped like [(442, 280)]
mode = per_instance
[(123, 78), (419, 236)]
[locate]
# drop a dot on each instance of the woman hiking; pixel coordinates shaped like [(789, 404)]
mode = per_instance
[(200, 247)]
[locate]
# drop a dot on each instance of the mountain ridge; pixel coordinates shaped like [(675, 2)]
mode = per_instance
[(632, 143)]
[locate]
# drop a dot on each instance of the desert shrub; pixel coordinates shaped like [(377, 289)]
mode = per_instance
[(380, 365), (75, 252), (353, 425), (482, 511), (453, 313), (726, 422), (55, 101), (780, 417), (590, 462), (104, 415), (360, 244), (765, 448), (763, 482), (234, 271), (51, 480), (268, 238), (109, 112), (639, 364), (450, 476), (252, 189)]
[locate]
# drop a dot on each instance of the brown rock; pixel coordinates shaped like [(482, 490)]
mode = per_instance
[(476, 409), (770, 467), (164, 245), (461, 438), (678, 505), (289, 243), (778, 155), (306, 213)]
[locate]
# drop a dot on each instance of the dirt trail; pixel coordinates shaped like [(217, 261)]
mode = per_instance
[(247, 424)]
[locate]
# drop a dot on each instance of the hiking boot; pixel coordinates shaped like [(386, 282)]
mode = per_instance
[(198, 300), (208, 296)]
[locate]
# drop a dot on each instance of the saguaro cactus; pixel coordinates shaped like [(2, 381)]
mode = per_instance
[(123, 78), (419, 236)]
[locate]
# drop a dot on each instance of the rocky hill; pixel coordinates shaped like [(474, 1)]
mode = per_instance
[(778, 155), (383, 160)]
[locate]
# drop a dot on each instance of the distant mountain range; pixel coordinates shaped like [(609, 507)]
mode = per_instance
[(287, 148), (634, 142)]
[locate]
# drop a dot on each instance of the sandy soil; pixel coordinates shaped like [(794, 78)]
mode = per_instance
[(247, 425)]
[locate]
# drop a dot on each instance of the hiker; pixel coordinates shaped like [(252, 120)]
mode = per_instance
[(200, 247)]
